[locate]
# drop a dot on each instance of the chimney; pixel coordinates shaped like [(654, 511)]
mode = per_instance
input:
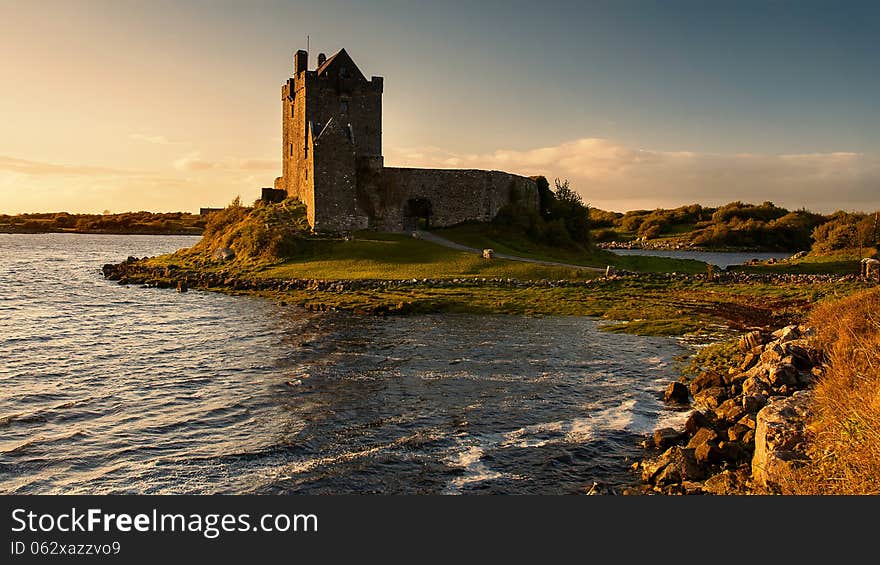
[(321, 58), (300, 61)]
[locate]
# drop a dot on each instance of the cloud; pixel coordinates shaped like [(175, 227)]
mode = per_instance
[(155, 139), (194, 162), (613, 176), (42, 168)]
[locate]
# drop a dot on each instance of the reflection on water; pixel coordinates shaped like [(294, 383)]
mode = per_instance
[(113, 389)]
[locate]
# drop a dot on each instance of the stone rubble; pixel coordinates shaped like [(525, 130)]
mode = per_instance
[(747, 430)]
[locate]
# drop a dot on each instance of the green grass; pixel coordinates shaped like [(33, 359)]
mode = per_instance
[(632, 306), (391, 256), (478, 236), (838, 263)]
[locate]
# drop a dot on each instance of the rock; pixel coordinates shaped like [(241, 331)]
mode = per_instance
[(705, 380), (730, 450), (711, 397), (751, 340), (695, 421), (665, 437), (753, 402), (736, 432), (783, 374), (780, 437), (675, 465), (703, 436), (707, 454), (223, 254), (730, 410), (748, 421), (748, 361), (772, 354), (788, 333), (181, 286), (724, 483), (692, 487), (754, 386), (676, 392)]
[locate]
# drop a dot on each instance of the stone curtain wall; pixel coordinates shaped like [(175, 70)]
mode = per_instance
[(455, 195)]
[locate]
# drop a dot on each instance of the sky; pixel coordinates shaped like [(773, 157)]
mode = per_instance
[(170, 106)]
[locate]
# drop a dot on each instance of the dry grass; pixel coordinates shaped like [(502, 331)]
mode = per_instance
[(845, 448)]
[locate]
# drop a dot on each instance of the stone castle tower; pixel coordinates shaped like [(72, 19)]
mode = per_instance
[(332, 160)]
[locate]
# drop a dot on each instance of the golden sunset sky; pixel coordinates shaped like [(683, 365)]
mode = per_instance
[(169, 106)]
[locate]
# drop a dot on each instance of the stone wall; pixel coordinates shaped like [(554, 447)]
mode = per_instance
[(454, 196)]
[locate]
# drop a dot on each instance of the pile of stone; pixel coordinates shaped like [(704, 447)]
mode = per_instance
[(747, 426)]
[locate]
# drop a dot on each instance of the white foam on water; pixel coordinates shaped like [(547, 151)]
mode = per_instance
[(475, 470)]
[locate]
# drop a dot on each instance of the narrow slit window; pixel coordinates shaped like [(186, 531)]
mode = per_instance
[(343, 106)]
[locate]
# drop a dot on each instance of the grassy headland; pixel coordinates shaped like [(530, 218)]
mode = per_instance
[(394, 273)]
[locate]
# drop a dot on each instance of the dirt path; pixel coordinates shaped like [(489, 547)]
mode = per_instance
[(433, 238)]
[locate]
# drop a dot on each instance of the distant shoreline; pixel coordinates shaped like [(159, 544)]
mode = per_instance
[(7, 230)]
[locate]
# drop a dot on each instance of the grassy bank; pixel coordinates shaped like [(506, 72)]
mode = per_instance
[(841, 262), (481, 236), (845, 444)]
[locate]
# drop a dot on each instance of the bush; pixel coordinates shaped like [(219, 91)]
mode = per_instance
[(562, 219), (266, 232)]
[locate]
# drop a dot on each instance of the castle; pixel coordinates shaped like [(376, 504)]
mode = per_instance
[(332, 161)]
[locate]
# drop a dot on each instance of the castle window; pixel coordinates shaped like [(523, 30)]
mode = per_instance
[(343, 106), (343, 72), (292, 110), (347, 130), (291, 149)]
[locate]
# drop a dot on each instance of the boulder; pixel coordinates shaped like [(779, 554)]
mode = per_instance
[(703, 436), (665, 437), (695, 421), (711, 397), (748, 361), (676, 392), (788, 333), (708, 454), (751, 340), (706, 380), (780, 437), (675, 465), (730, 410), (736, 432), (753, 402), (730, 450), (724, 483), (754, 386), (783, 374), (772, 354)]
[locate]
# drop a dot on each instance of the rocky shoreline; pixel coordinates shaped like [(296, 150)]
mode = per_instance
[(748, 427)]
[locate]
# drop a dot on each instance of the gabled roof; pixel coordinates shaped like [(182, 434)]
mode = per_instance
[(338, 60)]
